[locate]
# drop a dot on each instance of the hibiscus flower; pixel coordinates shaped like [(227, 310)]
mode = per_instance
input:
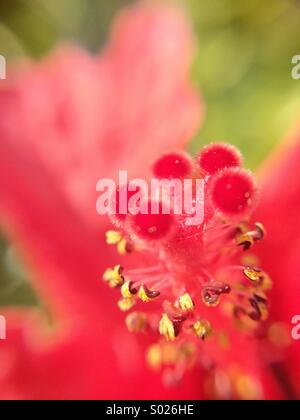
[(65, 123)]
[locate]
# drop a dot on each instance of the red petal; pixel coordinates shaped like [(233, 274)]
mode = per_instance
[(279, 210), (88, 117), (64, 124), (76, 361)]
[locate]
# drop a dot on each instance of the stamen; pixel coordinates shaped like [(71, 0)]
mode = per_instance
[(256, 313), (202, 329), (258, 277), (174, 313), (125, 304), (136, 321), (147, 295), (258, 308), (173, 165), (259, 303), (247, 239), (167, 328), (211, 293), (186, 303), (114, 276), (217, 156), (254, 274), (124, 247), (127, 290), (114, 237), (260, 231)]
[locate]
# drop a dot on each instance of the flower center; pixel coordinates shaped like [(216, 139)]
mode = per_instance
[(198, 266)]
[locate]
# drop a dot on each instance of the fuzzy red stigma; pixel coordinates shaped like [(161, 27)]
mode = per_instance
[(217, 156), (233, 191), (151, 226), (119, 205), (173, 165)]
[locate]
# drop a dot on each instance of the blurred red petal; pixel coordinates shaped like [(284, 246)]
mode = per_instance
[(279, 209), (88, 117), (78, 360), (64, 124)]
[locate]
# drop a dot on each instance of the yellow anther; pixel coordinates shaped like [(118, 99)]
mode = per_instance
[(154, 356), (136, 321), (114, 276), (143, 295), (202, 329), (186, 303), (261, 231), (166, 328), (123, 247), (258, 277), (247, 388), (126, 289), (113, 237), (125, 304), (245, 239), (254, 274)]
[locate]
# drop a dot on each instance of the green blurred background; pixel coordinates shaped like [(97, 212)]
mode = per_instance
[(242, 66)]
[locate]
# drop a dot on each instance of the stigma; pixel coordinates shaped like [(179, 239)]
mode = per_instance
[(201, 272)]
